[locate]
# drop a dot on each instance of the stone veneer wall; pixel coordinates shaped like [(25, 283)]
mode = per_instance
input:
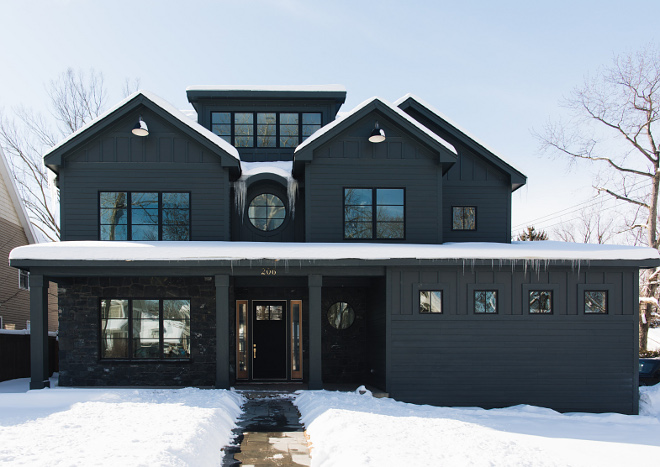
[(79, 302)]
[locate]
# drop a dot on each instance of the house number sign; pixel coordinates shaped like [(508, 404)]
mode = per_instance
[(268, 271)]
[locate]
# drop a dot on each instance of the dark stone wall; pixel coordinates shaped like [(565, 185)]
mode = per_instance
[(80, 363)]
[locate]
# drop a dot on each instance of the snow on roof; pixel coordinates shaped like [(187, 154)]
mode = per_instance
[(236, 251), (444, 117), (266, 88), (190, 113), (167, 107), (281, 168), (320, 132)]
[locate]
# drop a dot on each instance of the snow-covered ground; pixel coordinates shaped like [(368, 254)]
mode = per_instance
[(125, 427), (349, 429), (188, 427)]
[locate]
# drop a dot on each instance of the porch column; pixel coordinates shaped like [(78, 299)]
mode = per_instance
[(39, 332), (314, 283), (222, 331)]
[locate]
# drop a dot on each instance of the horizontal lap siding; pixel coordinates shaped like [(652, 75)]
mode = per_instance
[(325, 182), (566, 365), (567, 360), (493, 203)]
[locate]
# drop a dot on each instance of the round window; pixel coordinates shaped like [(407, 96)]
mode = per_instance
[(266, 212), (341, 315)]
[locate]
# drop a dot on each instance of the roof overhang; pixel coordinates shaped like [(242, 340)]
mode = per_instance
[(447, 154), (227, 153), (195, 258), (410, 101), (328, 92)]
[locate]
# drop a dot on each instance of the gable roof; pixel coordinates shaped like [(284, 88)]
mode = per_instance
[(17, 203), (304, 151), (161, 107), (518, 179)]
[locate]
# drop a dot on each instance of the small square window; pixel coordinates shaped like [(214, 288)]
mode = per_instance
[(485, 301), (430, 301), (464, 218), (540, 301), (23, 279), (595, 301)]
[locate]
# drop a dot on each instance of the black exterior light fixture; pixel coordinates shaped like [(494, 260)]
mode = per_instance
[(377, 134), (140, 128)]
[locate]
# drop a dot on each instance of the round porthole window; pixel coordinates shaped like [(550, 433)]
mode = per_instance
[(341, 315), (266, 212)]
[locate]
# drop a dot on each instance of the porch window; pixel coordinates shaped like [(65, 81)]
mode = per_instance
[(265, 129), (430, 301), (540, 301), (147, 216), (485, 301), (145, 329), (595, 301), (341, 315), (374, 213), (464, 218)]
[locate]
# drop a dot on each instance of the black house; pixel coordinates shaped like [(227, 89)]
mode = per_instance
[(273, 241)]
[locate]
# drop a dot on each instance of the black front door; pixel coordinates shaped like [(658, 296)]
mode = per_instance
[(269, 339)]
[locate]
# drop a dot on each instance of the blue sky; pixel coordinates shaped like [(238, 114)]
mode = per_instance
[(498, 69)]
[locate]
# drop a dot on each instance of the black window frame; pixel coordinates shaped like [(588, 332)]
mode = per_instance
[(463, 218), (130, 339), (255, 125), (540, 290), (431, 312), (474, 301), (129, 214), (596, 290), (374, 214)]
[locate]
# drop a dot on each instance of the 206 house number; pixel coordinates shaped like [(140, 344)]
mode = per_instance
[(268, 271)]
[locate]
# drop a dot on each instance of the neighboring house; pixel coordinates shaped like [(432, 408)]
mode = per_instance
[(15, 230), (273, 242)]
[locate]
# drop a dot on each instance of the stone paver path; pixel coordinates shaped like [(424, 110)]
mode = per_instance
[(269, 433)]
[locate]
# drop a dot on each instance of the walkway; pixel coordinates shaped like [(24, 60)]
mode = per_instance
[(269, 433)]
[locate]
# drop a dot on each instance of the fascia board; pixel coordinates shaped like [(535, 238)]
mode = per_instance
[(53, 159), (518, 179)]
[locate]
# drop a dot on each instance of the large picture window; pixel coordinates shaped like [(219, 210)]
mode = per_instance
[(144, 216), (145, 329), (374, 213), (265, 129)]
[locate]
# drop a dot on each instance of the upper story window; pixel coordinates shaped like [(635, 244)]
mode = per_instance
[(266, 212), (144, 216), (374, 213), (595, 301), (464, 218), (485, 301), (265, 129)]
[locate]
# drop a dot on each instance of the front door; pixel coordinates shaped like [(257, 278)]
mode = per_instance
[(269, 340)]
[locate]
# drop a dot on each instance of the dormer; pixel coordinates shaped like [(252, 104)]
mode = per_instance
[(265, 123)]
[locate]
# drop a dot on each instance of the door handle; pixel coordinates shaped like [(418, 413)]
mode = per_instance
[(254, 350)]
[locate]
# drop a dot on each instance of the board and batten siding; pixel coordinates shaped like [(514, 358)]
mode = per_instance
[(567, 360), (164, 161), (351, 161)]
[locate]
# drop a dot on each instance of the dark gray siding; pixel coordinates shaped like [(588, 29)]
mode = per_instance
[(461, 359), (164, 161), (350, 160), (474, 181)]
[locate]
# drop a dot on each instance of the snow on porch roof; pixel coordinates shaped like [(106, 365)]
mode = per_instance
[(202, 252)]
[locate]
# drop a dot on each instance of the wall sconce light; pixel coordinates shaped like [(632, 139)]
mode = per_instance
[(140, 128), (377, 135)]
